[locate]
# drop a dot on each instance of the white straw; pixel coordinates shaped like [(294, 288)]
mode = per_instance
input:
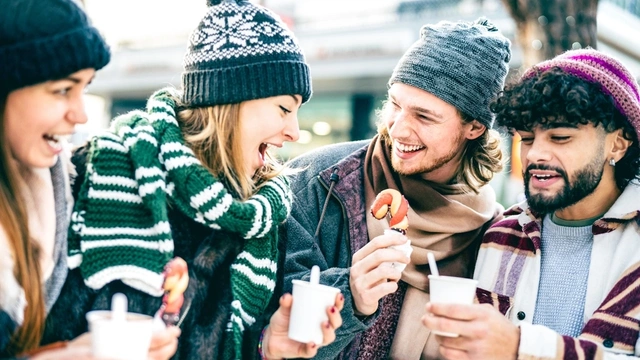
[(315, 275), (432, 264), (119, 307)]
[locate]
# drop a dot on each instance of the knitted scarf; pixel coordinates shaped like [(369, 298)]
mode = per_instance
[(120, 228)]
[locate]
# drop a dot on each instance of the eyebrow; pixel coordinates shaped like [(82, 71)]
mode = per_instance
[(296, 100), (556, 125), (75, 79), (421, 109)]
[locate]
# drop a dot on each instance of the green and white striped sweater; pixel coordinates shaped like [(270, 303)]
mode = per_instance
[(120, 229)]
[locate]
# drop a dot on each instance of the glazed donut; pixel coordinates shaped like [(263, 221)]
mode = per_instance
[(390, 201)]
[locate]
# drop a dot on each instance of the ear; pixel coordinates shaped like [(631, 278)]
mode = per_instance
[(474, 130), (619, 145)]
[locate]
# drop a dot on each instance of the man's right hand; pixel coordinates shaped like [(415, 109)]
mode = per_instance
[(372, 276)]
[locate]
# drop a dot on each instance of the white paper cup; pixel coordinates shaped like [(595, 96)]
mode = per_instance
[(404, 248), (451, 290), (127, 340), (309, 310)]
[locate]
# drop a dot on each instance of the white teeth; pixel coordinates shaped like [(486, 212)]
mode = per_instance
[(54, 144), (408, 148)]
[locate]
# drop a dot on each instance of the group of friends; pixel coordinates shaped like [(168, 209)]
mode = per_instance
[(192, 176)]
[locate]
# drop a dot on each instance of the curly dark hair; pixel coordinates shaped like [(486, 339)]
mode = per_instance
[(555, 95)]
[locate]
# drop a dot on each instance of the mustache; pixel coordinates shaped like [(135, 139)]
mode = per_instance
[(560, 171)]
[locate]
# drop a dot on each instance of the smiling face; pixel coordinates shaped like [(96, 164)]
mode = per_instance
[(563, 164), (37, 117), (264, 123), (427, 134)]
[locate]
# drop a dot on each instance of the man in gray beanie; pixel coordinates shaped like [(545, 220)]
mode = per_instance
[(434, 145)]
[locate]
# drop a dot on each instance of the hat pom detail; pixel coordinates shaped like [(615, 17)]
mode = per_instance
[(486, 23)]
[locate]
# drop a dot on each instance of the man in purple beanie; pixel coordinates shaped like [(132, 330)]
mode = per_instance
[(563, 266)]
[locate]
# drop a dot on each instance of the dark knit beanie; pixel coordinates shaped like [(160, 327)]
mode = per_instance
[(241, 51), (464, 64), (42, 40)]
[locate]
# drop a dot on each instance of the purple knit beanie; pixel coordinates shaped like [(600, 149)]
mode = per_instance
[(595, 66)]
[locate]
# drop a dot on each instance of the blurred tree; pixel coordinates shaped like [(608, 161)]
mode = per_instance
[(546, 28)]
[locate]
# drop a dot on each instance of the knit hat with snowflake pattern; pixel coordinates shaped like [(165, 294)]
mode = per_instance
[(241, 51)]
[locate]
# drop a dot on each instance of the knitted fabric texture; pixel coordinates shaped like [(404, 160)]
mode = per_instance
[(46, 40), (239, 52), (562, 292), (464, 64), (594, 66), (120, 228)]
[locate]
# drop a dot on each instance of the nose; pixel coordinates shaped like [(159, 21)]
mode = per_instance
[(292, 130), (536, 152), (77, 113)]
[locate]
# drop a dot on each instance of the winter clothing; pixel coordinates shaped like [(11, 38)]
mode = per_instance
[(464, 64), (508, 273), (594, 66), (12, 299), (45, 40), (239, 52), (133, 176), (209, 254), (344, 230)]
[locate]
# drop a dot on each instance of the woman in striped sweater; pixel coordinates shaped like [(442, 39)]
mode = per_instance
[(191, 176)]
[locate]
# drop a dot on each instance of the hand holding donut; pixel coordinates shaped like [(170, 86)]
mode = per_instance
[(371, 277)]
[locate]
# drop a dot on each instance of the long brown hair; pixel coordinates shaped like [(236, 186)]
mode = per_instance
[(25, 252), (212, 133)]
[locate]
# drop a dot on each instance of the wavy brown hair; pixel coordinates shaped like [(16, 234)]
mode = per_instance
[(25, 251), (212, 133)]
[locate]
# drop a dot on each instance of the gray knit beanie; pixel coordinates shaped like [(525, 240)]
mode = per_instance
[(464, 64), (241, 51)]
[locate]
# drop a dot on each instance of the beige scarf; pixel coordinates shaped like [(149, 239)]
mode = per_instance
[(447, 220)]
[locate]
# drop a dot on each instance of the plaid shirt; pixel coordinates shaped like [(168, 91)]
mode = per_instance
[(508, 274)]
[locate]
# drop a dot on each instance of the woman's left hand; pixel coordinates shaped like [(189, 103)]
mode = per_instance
[(276, 343)]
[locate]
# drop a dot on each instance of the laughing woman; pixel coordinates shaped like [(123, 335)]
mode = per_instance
[(49, 53), (191, 176)]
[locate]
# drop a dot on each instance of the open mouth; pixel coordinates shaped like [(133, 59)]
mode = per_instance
[(408, 148), (544, 178), (262, 149), (54, 140)]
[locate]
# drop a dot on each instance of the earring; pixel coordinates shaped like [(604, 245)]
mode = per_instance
[(612, 162)]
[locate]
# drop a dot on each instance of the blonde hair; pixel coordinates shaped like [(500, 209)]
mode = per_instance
[(14, 222), (482, 158), (212, 133)]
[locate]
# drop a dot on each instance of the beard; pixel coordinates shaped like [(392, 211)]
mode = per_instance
[(426, 166), (585, 181)]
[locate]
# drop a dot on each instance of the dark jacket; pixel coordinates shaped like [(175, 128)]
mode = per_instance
[(342, 233), (209, 255)]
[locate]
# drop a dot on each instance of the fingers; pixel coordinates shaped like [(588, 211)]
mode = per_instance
[(164, 337), (286, 301), (339, 302), (334, 319), (460, 312), (453, 354), (164, 343), (379, 242)]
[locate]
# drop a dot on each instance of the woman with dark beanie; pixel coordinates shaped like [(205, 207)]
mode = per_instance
[(191, 176), (49, 53)]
